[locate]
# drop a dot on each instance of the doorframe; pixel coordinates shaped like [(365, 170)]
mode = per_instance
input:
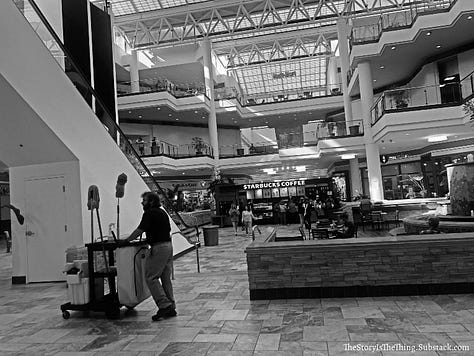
[(30, 179)]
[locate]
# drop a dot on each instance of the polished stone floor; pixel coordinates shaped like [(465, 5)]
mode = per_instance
[(216, 318)]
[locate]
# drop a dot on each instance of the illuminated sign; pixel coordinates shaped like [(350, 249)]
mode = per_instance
[(290, 183)]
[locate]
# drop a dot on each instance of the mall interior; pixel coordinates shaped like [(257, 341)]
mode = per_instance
[(345, 126)]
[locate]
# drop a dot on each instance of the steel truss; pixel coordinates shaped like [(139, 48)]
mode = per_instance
[(230, 19), (285, 50)]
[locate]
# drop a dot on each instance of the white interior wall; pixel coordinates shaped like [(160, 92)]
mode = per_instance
[(47, 91), (74, 204)]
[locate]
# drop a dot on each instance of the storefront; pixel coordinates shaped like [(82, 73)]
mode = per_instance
[(188, 196), (263, 197), (411, 177)]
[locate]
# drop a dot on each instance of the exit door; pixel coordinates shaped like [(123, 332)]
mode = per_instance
[(46, 229)]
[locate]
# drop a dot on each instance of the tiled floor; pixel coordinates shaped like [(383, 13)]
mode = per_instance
[(216, 318)]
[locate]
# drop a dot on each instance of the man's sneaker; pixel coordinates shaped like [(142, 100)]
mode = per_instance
[(164, 313)]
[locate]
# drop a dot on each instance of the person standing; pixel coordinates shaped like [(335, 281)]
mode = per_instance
[(154, 147), (308, 209), (292, 212), (247, 218), (234, 217), (141, 146), (159, 258), (282, 213), (301, 210)]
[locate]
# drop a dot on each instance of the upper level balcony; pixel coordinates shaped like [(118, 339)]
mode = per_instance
[(395, 20), (178, 96), (191, 96), (423, 111)]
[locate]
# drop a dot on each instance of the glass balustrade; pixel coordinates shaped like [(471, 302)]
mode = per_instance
[(467, 86), (53, 43), (403, 99), (277, 97), (156, 85), (394, 20)]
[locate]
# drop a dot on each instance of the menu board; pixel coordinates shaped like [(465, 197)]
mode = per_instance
[(292, 191), (250, 195), (258, 194), (300, 191), (275, 192), (267, 193), (284, 192)]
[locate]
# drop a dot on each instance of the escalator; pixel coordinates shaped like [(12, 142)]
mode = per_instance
[(187, 229)]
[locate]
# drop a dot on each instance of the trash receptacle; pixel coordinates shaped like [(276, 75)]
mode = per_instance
[(211, 235)]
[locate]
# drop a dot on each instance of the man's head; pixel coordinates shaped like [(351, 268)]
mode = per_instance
[(150, 200), (433, 222)]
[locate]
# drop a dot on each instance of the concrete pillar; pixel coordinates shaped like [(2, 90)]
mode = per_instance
[(371, 148), (134, 76), (356, 180), (209, 83), (342, 37)]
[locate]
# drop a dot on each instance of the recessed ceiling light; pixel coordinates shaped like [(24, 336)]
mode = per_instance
[(438, 46), (169, 114), (158, 108), (203, 117), (184, 173), (195, 111), (139, 116), (348, 156), (438, 138), (375, 80), (382, 67), (177, 119), (407, 134), (428, 33), (129, 111), (393, 48), (469, 17)]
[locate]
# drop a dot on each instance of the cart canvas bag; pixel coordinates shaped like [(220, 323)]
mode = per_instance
[(131, 284)]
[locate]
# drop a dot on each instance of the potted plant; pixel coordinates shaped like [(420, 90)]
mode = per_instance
[(198, 144), (468, 108), (401, 100)]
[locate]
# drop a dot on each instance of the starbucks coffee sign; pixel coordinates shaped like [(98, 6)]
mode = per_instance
[(289, 183)]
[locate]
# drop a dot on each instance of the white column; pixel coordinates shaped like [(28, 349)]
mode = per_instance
[(371, 148), (342, 31), (209, 83), (134, 76), (356, 180)]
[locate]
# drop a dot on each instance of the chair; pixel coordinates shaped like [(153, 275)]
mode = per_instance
[(366, 212), (320, 234), (377, 220)]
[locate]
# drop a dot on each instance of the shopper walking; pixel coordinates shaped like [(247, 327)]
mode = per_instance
[(159, 258), (247, 219), (234, 217)]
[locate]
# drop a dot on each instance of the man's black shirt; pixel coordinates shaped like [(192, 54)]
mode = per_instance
[(156, 224)]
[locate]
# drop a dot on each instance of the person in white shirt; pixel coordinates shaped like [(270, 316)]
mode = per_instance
[(247, 219)]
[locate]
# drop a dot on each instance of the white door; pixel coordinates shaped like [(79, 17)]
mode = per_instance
[(45, 220)]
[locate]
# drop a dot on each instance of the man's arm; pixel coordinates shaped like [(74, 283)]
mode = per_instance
[(137, 232)]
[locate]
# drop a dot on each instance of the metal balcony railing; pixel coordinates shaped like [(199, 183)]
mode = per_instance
[(405, 99), (396, 20)]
